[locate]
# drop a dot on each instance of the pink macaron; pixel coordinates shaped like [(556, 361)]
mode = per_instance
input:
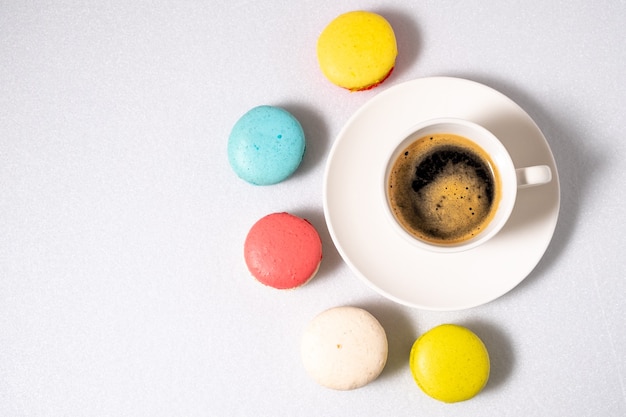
[(283, 251)]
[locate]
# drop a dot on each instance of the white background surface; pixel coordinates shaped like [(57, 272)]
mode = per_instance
[(123, 290)]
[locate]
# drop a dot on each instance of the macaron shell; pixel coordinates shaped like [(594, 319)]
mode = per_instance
[(266, 145), (283, 251), (357, 50), (450, 363), (344, 348)]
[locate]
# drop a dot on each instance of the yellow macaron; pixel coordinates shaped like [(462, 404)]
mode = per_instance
[(450, 363), (357, 50)]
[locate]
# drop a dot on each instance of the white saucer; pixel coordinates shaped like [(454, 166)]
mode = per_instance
[(353, 201)]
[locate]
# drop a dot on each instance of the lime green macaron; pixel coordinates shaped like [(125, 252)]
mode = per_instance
[(450, 363)]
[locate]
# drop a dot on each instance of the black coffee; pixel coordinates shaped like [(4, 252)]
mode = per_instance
[(443, 188)]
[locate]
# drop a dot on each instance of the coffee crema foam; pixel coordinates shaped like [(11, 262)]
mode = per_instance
[(443, 188)]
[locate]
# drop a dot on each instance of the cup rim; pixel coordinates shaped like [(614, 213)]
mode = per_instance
[(504, 165)]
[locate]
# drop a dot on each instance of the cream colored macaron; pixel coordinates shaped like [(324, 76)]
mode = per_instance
[(344, 348)]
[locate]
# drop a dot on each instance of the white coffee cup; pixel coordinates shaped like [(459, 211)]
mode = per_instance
[(510, 180)]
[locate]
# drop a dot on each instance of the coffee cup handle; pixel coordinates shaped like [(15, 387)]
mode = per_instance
[(532, 176)]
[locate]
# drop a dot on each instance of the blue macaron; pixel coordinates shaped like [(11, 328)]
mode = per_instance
[(266, 145)]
